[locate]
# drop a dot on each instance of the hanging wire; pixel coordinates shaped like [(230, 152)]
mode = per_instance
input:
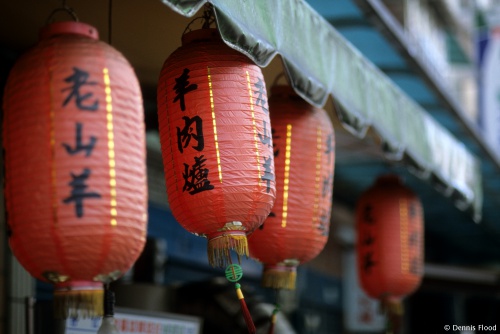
[(110, 17), (274, 314), (207, 18), (234, 273), (63, 8)]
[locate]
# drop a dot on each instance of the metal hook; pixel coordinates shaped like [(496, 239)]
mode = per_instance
[(208, 18), (64, 8)]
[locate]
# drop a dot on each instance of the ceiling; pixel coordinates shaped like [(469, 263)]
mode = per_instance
[(147, 32)]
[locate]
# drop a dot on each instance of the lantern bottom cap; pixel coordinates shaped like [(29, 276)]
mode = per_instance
[(78, 301), (279, 277), (221, 244)]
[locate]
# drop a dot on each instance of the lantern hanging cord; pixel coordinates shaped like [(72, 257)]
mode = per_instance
[(392, 166), (274, 314), (234, 273), (63, 8), (110, 17), (109, 301), (208, 18)]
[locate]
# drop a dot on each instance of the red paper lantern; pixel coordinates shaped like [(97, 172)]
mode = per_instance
[(216, 142), (390, 229), (75, 180), (298, 226)]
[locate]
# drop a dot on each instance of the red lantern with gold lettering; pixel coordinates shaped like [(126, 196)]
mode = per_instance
[(216, 142), (297, 228), (75, 176), (390, 234)]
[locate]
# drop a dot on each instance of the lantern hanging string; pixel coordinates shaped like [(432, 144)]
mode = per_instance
[(234, 273), (108, 322), (207, 18), (110, 19), (274, 314), (63, 8)]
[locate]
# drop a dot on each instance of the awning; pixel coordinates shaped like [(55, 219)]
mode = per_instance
[(321, 63)]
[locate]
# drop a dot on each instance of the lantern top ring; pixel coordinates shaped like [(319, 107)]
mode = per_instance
[(220, 234), (78, 285), (282, 268), (69, 27)]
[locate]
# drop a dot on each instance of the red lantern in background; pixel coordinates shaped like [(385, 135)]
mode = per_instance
[(390, 234), (216, 142), (75, 176), (297, 229)]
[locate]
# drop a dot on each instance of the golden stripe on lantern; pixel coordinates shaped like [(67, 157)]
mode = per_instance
[(249, 83), (53, 173), (317, 179), (403, 212), (286, 177), (212, 107), (111, 147), (55, 223)]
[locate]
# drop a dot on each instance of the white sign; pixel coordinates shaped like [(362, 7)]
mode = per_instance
[(136, 322), (362, 313)]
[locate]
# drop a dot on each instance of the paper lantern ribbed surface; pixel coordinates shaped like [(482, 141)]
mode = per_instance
[(75, 177), (297, 229), (216, 142), (389, 239)]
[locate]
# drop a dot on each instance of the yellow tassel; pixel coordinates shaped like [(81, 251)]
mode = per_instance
[(273, 317), (78, 303), (394, 311), (239, 293), (394, 307), (278, 278), (219, 248)]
